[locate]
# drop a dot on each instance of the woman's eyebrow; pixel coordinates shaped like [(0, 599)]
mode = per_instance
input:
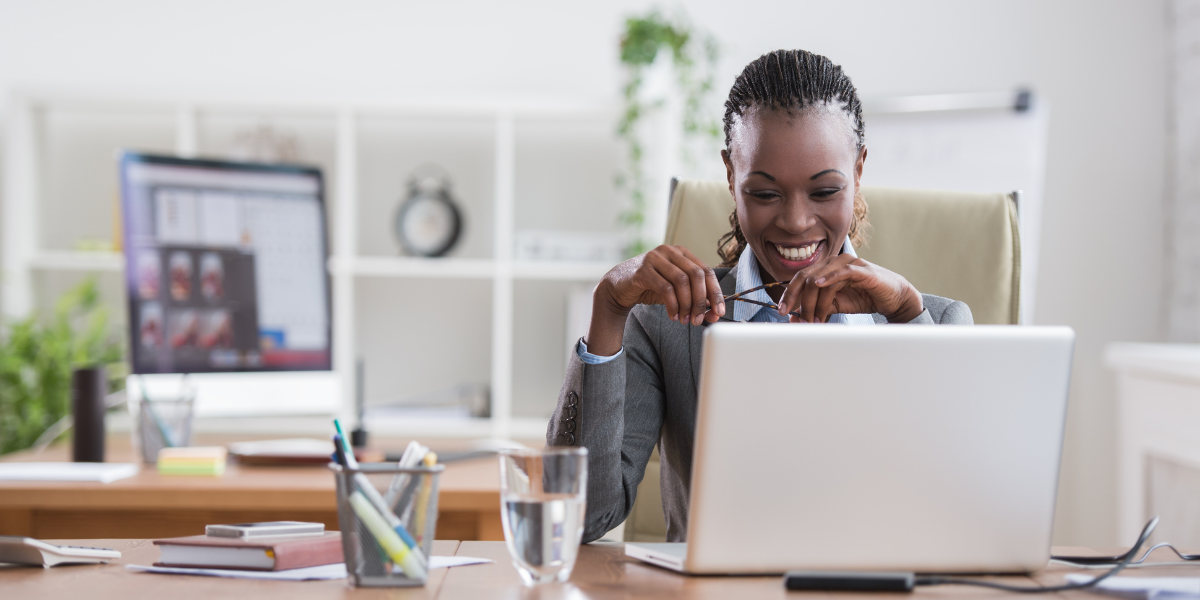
[(763, 173), (824, 172)]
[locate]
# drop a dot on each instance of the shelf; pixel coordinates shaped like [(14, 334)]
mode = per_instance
[(467, 268), (399, 266), (67, 260), (347, 154), (365, 266), (560, 270), (520, 428)]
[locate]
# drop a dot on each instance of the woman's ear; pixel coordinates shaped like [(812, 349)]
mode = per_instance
[(858, 167), (729, 170)]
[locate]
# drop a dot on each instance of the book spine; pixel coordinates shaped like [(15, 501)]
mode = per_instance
[(308, 553)]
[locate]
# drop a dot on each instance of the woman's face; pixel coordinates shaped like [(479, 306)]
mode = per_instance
[(793, 178)]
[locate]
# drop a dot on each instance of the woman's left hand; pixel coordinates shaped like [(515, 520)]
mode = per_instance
[(850, 285)]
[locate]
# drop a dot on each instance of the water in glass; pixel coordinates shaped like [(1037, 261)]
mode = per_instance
[(543, 535), (543, 500)]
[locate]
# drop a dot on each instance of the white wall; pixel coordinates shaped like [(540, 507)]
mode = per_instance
[(1101, 64)]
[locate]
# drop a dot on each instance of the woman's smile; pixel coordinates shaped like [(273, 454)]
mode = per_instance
[(795, 257)]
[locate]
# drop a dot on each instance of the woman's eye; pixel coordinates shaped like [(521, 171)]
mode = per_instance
[(823, 194), (765, 195)]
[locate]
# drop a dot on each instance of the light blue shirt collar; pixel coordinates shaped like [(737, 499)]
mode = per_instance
[(748, 278)]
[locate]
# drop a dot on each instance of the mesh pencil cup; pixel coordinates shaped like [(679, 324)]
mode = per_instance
[(388, 517)]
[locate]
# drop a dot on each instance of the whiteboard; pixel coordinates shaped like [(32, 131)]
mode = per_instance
[(933, 142)]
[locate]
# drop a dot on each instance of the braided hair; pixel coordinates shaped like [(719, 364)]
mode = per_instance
[(792, 80)]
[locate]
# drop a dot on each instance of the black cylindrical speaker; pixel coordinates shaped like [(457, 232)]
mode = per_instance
[(89, 386)]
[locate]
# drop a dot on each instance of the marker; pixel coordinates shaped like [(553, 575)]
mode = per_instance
[(391, 543), (426, 490)]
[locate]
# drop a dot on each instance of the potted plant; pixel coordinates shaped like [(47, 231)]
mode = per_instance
[(37, 357), (693, 58)]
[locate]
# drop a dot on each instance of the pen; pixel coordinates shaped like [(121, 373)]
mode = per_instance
[(409, 459), (346, 456), (165, 433)]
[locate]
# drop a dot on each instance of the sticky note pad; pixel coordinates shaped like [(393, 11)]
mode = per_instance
[(200, 460)]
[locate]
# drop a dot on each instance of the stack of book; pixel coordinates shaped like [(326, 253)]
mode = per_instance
[(200, 460), (267, 554)]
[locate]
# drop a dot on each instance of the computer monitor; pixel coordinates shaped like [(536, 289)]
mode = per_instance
[(225, 266)]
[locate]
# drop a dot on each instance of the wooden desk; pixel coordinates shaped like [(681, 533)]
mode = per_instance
[(114, 582), (149, 505), (601, 572)]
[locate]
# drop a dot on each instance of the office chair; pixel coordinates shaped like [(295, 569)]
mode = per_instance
[(960, 245)]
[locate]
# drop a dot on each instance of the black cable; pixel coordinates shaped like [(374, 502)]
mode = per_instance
[(1125, 560)]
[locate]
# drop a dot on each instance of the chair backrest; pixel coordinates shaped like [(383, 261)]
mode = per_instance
[(960, 245)]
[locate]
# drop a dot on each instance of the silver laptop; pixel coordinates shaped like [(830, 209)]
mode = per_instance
[(929, 449)]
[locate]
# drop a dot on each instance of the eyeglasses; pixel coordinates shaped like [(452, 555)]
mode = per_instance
[(738, 298)]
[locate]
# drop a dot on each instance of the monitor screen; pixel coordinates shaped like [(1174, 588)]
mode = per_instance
[(225, 266)]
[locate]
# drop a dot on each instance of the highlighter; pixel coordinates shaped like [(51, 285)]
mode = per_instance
[(426, 490), (391, 543)]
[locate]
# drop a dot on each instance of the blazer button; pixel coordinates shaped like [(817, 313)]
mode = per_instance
[(569, 425), (569, 438), (572, 398), (570, 412)]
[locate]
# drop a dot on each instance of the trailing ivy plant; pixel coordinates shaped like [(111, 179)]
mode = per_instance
[(36, 360), (644, 37)]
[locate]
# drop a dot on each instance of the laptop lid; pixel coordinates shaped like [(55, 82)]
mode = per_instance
[(932, 449)]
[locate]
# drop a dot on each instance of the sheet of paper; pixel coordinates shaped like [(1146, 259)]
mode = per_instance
[(67, 471), (1145, 588), (334, 571), (439, 562)]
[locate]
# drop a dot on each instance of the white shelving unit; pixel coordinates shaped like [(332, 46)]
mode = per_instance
[(24, 253)]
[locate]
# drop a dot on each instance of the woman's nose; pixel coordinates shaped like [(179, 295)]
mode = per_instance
[(795, 216)]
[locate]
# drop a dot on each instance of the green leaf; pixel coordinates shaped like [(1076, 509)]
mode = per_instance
[(36, 361), (695, 56)]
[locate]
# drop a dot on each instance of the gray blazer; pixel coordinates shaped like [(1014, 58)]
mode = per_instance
[(620, 409)]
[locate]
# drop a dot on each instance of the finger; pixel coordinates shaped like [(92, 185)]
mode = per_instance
[(825, 293), (791, 299), (862, 281), (826, 304), (791, 295), (694, 269), (680, 283), (716, 298), (661, 288), (808, 302), (850, 273)]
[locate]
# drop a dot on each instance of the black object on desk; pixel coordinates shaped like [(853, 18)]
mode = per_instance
[(89, 388), (358, 437), (849, 581)]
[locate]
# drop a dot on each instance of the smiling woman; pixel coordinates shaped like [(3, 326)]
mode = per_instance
[(794, 157)]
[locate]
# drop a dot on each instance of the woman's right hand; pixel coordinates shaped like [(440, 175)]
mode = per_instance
[(667, 275)]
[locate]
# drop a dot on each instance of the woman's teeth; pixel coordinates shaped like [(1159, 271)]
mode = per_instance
[(801, 253)]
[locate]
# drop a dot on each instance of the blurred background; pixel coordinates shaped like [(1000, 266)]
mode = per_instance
[(519, 104)]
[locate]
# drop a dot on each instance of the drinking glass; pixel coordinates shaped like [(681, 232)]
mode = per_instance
[(543, 497), (161, 423)]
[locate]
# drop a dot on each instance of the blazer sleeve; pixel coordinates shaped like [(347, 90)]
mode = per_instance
[(938, 311), (615, 410)]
